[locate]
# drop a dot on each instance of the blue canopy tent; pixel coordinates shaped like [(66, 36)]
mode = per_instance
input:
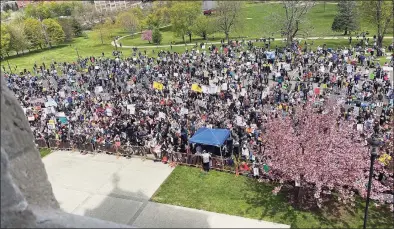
[(213, 137)]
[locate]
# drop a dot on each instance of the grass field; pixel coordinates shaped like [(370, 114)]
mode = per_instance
[(257, 23), (224, 193), (44, 152)]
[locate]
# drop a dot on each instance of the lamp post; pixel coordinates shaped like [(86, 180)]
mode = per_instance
[(374, 143)]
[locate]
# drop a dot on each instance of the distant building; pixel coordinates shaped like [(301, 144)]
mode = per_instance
[(114, 5), (208, 6), (7, 5)]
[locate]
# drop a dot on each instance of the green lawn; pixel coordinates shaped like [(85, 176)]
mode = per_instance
[(44, 152), (225, 193), (257, 23)]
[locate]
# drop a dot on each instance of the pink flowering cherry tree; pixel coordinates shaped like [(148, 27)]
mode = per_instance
[(320, 151), (147, 35)]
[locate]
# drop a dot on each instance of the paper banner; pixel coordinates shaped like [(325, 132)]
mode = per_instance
[(162, 115), (213, 89), (98, 89), (196, 88), (184, 111), (158, 86), (224, 87), (205, 89)]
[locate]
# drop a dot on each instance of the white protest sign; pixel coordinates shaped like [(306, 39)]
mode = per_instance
[(162, 115), (349, 68), (175, 74), (205, 89), (239, 121), (31, 118), (62, 94), (213, 89), (224, 87), (160, 75), (243, 92), (98, 89), (109, 112), (51, 126), (184, 111)]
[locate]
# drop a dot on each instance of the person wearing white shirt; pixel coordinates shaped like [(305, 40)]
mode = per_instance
[(205, 160)]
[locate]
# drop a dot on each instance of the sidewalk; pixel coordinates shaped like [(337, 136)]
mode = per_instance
[(119, 190)]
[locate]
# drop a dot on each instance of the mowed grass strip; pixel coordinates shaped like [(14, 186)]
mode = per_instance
[(44, 152), (241, 196)]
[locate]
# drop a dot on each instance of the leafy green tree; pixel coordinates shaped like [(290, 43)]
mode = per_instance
[(5, 39), (347, 18), (77, 27), (204, 26), (54, 30), (380, 13), (105, 31), (39, 10), (183, 17), (156, 36), (66, 24), (5, 15), (18, 39), (34, 33)]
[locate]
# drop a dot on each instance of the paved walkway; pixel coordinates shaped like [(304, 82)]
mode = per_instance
[(119, 190)]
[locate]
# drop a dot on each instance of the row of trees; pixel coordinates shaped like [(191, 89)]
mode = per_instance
[(30, 34), (379, 13), (186, 19), (40, 25)]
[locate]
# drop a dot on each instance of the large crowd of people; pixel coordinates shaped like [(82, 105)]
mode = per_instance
[(159, 102)]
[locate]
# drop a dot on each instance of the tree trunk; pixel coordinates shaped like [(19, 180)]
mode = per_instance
[(204, 35), (289, 39), (227, 37), (345, 32), (183, 38), (190, 37), (379, 41)]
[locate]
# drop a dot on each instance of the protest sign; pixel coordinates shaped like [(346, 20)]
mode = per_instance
[(51, 126), (196, 88), (158, 86), (205, 89), (62, 94), (162, 115), (224, 87), (317, 91), (213, 89), (31, 118), (360, 127), (184, 111)]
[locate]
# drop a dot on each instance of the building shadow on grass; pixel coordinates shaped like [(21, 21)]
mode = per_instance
[(135, 209), (332, 215)]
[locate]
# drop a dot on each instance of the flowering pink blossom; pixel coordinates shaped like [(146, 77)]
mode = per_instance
[(322, 150), (147, 35)]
